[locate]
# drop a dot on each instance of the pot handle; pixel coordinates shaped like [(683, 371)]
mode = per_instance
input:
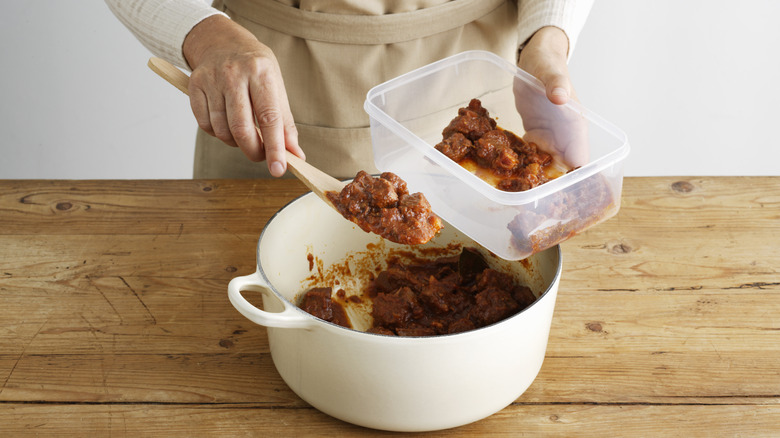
[(290, 317)]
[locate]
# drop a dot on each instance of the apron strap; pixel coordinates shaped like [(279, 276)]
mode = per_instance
[(363, 29)]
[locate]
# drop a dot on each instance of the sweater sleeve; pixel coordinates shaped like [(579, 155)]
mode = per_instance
[(568, 15), (162, 25)]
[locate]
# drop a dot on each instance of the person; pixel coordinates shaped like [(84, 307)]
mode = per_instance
[(299, 70)]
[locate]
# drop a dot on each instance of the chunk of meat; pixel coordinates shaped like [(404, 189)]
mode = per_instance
[(494, 150), (493, 305), (395, 309), (384, 206), (456, 147), (473, 122), (319, 302)]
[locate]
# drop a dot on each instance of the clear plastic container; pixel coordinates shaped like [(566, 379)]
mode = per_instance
[(408, 114)]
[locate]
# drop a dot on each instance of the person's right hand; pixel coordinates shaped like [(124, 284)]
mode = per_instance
[(557, 130), (236, 82)]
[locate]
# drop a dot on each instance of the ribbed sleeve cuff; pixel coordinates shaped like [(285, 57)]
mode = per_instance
[(181, 29), (568, 15), (162, 25)]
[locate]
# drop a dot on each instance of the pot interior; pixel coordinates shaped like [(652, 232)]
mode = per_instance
[(308, 244)]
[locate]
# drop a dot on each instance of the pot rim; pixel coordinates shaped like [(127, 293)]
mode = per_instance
[(327, 324)]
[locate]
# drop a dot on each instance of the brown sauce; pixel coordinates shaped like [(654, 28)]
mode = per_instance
[(445, 295), (384, 206)]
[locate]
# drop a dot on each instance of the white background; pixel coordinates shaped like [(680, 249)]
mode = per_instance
[(693, 83)]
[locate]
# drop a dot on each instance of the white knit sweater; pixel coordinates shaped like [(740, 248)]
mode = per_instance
[(162, 25)]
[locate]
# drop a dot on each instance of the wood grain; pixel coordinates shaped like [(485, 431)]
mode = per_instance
[(114, 318), (145, 207), (517, 420)]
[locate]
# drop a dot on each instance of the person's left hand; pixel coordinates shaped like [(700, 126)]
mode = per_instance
[(558, 130)]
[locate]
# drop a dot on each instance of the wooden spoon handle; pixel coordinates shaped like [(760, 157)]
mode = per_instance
[(316, 180), (173, 75)]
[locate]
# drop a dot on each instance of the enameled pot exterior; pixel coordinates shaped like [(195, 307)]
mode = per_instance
[(385, 382)]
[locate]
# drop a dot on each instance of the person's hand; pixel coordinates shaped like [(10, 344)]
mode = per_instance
[(556, 129), (235, 83)]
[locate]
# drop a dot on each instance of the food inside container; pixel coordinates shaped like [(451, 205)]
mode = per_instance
[(409, 113), (499, 157)]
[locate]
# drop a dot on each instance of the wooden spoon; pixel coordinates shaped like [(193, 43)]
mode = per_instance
[(316, 180)]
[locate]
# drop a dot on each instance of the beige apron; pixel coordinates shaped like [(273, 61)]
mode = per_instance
[(329, 61)]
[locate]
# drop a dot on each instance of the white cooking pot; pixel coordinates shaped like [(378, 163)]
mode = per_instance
[(386, 382)]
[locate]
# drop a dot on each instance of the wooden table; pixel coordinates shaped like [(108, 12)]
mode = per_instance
[(114, 318)]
